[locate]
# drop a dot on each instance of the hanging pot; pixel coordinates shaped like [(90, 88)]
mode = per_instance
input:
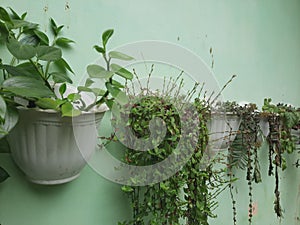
[(51, 149), (222, 128)]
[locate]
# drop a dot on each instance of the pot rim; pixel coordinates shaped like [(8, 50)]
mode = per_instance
[(101, 109)]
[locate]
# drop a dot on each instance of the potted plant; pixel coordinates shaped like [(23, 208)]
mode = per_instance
[(56, 130), (165, 136), (243, 153), (275, 122), (284, 123)]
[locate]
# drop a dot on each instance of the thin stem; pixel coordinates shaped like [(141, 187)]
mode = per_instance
[(227, 83), (41, 74), (148, 79), (101, 100)]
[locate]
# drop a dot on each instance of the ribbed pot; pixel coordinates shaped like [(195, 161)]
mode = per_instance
[(51, 149), (222, 130)]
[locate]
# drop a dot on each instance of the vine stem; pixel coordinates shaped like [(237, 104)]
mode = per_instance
[(231, 176)]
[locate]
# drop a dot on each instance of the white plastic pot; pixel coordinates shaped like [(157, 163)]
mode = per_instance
[(51, 149), (222, 129), (264, 126)]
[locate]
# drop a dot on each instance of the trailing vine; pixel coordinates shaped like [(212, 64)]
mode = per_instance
[(190, 194), (243, 153), (282, 118)]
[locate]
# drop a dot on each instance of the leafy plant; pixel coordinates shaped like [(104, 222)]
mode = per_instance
[(36, 64), (37, 74), (243, 151), (282, 118), (38, 77), (113, 88), (190, 193)]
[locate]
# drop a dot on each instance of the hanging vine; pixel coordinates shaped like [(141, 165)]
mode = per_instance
[(282, 118), (243, 153), (190, 194)]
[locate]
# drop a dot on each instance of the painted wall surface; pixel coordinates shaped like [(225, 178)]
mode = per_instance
[(258, 40)]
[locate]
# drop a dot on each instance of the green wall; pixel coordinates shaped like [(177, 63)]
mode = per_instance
[(258, 40)]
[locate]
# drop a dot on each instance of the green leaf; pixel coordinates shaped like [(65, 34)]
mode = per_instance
[(96, 71), (2, 108), (24, 24), (27, 69), (23, 15), (62, 89), (48, 53), (11, 119), (119, 55), (106, 36), (114, 91), (3, 32), (88, 82), (60, 102), (61, 77), (4, 16), (83, 88), (47, 103), (24, 69), (53, 26), (27, 87), (127, 188), (42, 36), (109, 103), (74, 97), (3, 175), (64, 42), (117, 84), (68, 110), (291, 119), (121, 71), (59, 28), (20, 51), (122, 98), (15, 15), (63, 65), (99, 49), (163, 186), (98, 91), (119, 95)]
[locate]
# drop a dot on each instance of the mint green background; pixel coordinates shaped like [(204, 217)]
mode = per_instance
[(259, 40)]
